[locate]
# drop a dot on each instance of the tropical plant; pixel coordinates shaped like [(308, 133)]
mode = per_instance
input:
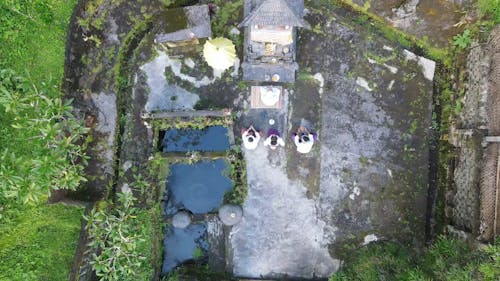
[(115, 237), (463, 40), (40, 141)]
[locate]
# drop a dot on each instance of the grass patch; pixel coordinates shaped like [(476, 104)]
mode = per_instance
[(146, 224), (447, 259), (33, 35), (490, 9), (39, 242)]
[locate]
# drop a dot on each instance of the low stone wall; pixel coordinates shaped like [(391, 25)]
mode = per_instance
[(473, 203)]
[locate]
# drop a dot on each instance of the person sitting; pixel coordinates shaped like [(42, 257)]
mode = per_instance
[(303, 139), (250, 138), (273, 139)]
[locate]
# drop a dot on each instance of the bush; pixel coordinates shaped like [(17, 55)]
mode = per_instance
[(39, 140), (122, 241), (463, 40)]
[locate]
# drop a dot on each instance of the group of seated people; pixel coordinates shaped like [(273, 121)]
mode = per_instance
[(302, 138)]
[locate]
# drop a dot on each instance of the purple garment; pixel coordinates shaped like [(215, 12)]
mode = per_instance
[(273, 131)]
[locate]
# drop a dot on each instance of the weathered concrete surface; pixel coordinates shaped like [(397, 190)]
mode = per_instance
[(280, 234), (91, 53), (376, 109), (371, 103), (435, 21)]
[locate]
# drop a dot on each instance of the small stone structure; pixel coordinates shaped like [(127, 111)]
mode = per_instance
[(194, 24), (230, 214), (271, 39), (181, 220)]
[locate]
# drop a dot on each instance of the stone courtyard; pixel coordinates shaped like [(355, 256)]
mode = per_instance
[(371, 104), (366, 178)]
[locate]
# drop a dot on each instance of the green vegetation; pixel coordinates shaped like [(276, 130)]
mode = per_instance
[(463, 40), (237, 173), (447, 259), (229, 15), (123, 236), (39, 243), (38, 154), (33, 35), (198, 271), (227, 18), (192, 123), (40, 140), (491, 9)]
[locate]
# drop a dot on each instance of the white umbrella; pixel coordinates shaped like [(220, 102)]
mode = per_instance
[(219, 53)]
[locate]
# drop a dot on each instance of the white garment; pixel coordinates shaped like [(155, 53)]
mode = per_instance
[(250, 144), (304, 146), (279, 141)]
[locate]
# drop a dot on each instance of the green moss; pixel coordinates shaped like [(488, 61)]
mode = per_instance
[(39, 243), (126, 54)]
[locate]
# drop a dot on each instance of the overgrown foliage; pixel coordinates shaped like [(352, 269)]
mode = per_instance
[(490, 8), (228, 17), (463, 40), (447, 259), (40, 142), (39, 243), (196, 123), (121, 237), (237, 173)]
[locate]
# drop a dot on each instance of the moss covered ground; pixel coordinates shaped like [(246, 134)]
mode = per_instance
[(38, 243)]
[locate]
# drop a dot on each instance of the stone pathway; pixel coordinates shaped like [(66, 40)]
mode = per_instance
[(280, 233)]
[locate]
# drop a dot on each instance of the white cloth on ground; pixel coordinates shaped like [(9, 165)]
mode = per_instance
[(250, 141), (303, 146), (279, 141)]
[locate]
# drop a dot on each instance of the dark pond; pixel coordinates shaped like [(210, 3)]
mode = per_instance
[(198, 187), (182, 245), (212, 139)]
